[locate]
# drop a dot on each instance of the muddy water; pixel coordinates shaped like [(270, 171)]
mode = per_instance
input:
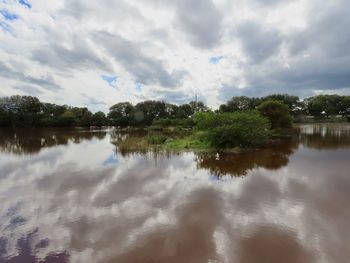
[(70, 196)]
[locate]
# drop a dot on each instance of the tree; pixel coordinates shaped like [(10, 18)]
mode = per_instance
[(99, 119), (4, 118), (277, 113), (171, 110), (67, 119), (86, 119), (345, 107), (122, 114), (225, 130), (241, 103), (22, 110), (198, 106), (326, 105), (291, 101), (147, 111), (185, 111)]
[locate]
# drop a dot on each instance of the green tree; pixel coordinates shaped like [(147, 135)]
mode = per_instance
[(147, 111), (4, 118), (198, 106), (171, 110), (87, 119), (67, 119), (225, 130), (277, 113), (99, 119), (240, 103), (185, 111), (291, 101), (122, 114)]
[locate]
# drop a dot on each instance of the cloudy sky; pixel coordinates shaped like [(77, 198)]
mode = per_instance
[(97, 53)]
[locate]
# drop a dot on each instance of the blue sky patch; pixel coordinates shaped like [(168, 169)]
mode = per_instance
[(25, 3), (138, 86), (6, 27), (111, 160), (8, 15), (111, 80), (215, 59)]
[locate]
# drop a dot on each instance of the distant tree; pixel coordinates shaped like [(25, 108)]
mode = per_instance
[(86, 119), (277, 113), (241, 103), (291, 101), (198, 106), (21, 110), (122, 114), (147, 111), (185, 111), (326, 105), (171, 110), (67, 119), (4, 118), (345, 107), (99, 119)]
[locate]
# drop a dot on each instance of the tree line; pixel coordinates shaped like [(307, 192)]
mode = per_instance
[(30, 111), (321, 106)]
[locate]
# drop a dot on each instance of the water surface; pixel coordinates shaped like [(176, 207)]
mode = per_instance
[(71, 196)]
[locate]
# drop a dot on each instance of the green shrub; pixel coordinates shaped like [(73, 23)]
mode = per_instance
[(277, 112), (227, 130), (167, 122)]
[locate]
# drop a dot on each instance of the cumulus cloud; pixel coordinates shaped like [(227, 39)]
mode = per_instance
[(200, 21), (46, 81), (259, 43), (172, 49), (145, 69)]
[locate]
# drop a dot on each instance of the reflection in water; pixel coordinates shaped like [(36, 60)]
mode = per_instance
[(323, 136), (30, 141), (83, 202), (239, 164)]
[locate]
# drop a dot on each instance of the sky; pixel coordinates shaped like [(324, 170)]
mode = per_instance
[(98, 53)]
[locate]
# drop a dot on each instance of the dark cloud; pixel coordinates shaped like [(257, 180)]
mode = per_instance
[(80, 9), (258, 41), (46, 82), (28, 89), (79, 55), (318, 57), (269, 3), (200, 21), (172, 96), (146, 69), (92, 101)]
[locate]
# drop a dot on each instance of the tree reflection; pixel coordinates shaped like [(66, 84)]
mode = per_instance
[(239, 164), (31, 141), (325, 137)]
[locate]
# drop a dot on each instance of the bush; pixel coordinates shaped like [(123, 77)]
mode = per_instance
[(227, 130), (167, 122), (277, 112)]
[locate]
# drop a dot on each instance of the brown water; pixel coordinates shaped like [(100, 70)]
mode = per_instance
[(70, 196)]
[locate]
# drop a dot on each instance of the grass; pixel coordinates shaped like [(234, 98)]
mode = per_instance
[(191, 142), (176, 142), (168, 141)]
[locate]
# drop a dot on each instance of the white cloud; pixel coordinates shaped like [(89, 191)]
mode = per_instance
[(60, 49)]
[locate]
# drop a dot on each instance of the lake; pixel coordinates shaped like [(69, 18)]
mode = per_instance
[(72, 196)]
